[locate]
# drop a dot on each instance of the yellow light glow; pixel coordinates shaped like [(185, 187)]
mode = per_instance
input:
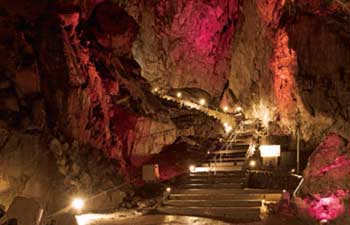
[(238, 109), (201, 169), (78, 204), (324, 221), (225, 108), (202, 101), (252, 163), (208, 152), (156, 89), (228, 129), (270, 150), (168, 189), (225, 124), (192, 168), (179, 94)]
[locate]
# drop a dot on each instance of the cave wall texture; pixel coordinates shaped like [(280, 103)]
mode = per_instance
[(79, 74)]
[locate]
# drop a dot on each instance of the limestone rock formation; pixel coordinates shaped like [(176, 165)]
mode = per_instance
[(325, 189)]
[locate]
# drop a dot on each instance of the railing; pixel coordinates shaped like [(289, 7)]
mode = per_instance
[(231, 138)]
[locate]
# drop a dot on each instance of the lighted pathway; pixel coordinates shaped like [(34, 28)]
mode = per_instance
[(94, 219), (223, 117), (116, 219)]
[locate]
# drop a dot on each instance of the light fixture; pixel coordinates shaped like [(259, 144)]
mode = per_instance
[(284, 190), (225, 124), (270, 150), (156, 89), (225, 108), (168, 189), (208, 152), (228, 129), (179, 94), (192, 168), (252, 163), (78, 204), (238, 109), (323, 222), (202, 101)]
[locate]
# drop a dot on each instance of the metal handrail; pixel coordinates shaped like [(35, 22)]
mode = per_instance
[(232, 137)]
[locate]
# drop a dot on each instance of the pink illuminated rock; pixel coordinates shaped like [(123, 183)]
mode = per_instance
[(187, 43), (326, 183)]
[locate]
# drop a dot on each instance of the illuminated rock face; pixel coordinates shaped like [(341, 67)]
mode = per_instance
[(326, 186), (187, 43)]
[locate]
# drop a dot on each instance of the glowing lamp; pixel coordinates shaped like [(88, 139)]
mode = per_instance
[(78, 204), (225, 108), (208, 152), (155, 89), (201, 169), (228, 129), (202, 101), (192, 168), (179, 94), (168, 189), (252, 163), (323, 222), (238, 109), (270, 150)]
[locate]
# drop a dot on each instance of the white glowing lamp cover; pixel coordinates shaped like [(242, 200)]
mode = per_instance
[(270, 150)]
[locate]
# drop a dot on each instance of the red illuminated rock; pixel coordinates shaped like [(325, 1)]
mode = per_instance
[(187, 43), (326, 180)]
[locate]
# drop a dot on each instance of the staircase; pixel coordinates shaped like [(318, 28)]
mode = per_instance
[(216, 188)]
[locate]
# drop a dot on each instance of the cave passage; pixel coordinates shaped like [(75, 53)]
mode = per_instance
[(174, 111)]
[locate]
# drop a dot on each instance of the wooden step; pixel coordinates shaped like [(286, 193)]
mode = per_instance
[(210, 186), (228, 159), (229, 151), (218, 173), (234, 213), (224, 196), (211, 180), (225, 165), (214, 203), (230, 191)]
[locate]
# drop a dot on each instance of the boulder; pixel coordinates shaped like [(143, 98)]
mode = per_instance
[(327, 182), (26, 211)]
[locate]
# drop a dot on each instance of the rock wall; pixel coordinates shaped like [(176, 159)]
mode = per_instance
[(72, 99), (186, 43), (324, 194)]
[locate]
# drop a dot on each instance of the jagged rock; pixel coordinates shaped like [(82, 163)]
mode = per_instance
[(56, 147), (326, 182), (328, 169), (107, 200), (38, 114), (64, 219), (25, 210)]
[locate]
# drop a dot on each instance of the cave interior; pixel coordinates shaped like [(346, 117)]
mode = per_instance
[(156, 111)]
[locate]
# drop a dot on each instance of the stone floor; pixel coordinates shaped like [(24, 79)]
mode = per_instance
[(114, 219)]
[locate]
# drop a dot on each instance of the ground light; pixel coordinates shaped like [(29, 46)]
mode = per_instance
[(192, 168), (238, 109), (252, 163), (202, 101), (179, 94), (324, 222), (228, 128), (78, 204), (168, 189), (225, 108), (156, 89)]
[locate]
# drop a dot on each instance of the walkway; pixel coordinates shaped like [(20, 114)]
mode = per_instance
[(177, 220)]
